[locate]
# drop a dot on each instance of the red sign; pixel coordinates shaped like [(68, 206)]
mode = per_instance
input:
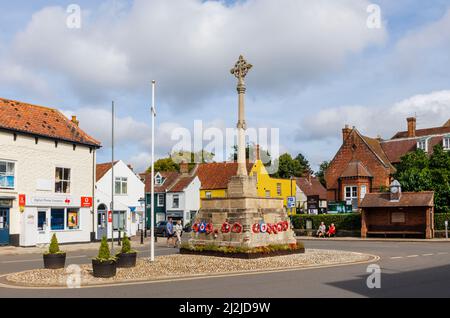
[(86, 202), (109, 217), (22, 200)]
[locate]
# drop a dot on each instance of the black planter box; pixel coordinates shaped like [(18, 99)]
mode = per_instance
[(243, 255), (105, 269), (126, 260), (54, 261)]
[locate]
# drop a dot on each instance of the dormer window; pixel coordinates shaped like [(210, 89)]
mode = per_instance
[(446, 142), (159, 180), (423, 144)]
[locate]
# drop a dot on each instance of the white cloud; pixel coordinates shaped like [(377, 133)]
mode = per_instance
[(189, 45)]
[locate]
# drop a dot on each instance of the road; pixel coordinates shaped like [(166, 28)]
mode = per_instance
[(408, 270)]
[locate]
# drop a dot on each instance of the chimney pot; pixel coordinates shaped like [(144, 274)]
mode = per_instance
[(75, 121), (258, 153)]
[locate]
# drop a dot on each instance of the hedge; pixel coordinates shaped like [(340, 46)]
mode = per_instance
[(347, 221), (352, 221)]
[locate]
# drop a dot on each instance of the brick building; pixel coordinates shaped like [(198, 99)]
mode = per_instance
[(365, 165)]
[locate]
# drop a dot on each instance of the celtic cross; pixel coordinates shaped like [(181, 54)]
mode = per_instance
[(241, 68)]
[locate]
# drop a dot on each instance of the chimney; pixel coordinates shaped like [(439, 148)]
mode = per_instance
[(411, 127), (75, 121), (184, 167), (258, 153), (346, 132), (130, 166)]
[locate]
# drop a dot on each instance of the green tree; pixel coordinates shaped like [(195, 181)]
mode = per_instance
[(165, 165), (172, 163), (304, 164), (288, 167), (321, 173), (250, 154), (104, 253), (54, 246)]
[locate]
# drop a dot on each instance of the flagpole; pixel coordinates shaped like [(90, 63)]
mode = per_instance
[(112, 175), (152, 208)]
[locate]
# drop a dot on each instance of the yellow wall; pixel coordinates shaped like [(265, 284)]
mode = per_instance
[(265, 183)]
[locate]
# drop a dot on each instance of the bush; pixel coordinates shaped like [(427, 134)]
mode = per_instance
[(439, 221), (126, 245), (347, 221), (104, 254), (54, 246)]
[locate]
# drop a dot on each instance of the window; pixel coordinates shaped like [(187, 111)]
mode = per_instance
[(422, 144), (363, 191), (158, 180), (73, 219), (62, 180), (267, 193), (119, 220), (7, 179), (161, 200), (279, 189), (57, 219), (176, 201), (351, 194), (42, 220), (446, 143), (208, 195), (121, 186)]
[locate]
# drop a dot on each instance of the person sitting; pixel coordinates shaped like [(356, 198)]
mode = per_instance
[(331, 230), (322, 230)]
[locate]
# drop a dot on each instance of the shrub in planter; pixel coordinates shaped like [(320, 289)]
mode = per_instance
[(104, 266), (127, 257), (54, 258)]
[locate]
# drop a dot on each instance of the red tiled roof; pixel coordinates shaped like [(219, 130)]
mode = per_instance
[(395, 149), (313, 187), (181, 184), (355, 168), (41, 121), (375, 145), (426, 132), (407, 199), (215, 176), (102, 168), (169, 179)]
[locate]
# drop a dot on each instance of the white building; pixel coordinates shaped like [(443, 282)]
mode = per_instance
[(47, 176), (183, 198), (129, 194)]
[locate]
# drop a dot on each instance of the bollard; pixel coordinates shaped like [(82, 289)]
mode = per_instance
[(446, 230)]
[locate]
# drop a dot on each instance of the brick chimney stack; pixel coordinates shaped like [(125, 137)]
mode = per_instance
[(75, 121), (184, 167), (346, 132), (258, 153), (411, 127)]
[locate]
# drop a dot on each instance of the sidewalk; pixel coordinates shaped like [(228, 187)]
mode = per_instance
[(371, 239), (12, 250)]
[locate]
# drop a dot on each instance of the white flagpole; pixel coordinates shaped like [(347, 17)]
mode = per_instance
[(152, 213)]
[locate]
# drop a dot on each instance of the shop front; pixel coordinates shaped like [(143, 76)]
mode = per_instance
[(66, 216)]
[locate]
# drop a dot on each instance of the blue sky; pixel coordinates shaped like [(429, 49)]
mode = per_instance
[(317, 67)]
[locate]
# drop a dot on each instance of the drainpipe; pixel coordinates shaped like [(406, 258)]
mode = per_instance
[(94, 151)]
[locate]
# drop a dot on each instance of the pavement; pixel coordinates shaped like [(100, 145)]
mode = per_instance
[(408, 269)]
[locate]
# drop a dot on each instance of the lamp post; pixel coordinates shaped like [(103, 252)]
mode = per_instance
[(142, 203), (152, 208)]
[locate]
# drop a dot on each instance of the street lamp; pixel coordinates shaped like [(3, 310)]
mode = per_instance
[(152, 208), (142, 203)]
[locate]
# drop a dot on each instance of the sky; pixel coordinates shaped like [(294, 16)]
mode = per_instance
[(317, 67)]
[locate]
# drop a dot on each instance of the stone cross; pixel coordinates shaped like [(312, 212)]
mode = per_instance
[(240, 70)]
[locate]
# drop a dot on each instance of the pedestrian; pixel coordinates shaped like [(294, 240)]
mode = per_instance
[(331, 230), (178, 233), (322, 230), (170, 232)]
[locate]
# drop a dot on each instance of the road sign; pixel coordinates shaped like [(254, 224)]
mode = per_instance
[(291, 202)]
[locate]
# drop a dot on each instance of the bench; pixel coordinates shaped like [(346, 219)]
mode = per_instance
[(395, 230)]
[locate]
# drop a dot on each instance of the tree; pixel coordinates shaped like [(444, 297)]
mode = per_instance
[(166, 165), (250, 154), (321, 173), (172, 163), (288, 167), (304, 164), (419, 172)]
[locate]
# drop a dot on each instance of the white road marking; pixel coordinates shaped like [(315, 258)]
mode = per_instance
[(397, 257), (443, 253), (412, 256), (427, 254), (38, 260)]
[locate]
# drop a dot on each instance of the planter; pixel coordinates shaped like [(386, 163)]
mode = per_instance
[(127, 260), (243, 255), (54, 261), (106, 269)]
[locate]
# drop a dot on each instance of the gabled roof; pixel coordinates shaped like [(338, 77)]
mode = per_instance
[(355, 168), (169, 179), (445, 129), (102, 168), (41, 121), (216, 176), (311, 187), (407, 199), (377, 149), (181, 184)]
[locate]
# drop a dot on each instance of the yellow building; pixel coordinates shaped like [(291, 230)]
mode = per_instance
[(214, 178)]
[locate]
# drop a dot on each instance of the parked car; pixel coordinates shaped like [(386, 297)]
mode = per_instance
[(160, 229)]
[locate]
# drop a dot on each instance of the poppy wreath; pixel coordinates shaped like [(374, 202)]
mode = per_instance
[(226, 228), (274, 228), (209, 228), (263, 228), (280, 226), (256, 228), (237, 228), (202, 228), (285, 226), (195, 227), (269, 229)]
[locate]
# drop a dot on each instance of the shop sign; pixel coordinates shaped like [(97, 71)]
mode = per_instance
[(22, 200), (59, 201), (110, 219), (86, 202)]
